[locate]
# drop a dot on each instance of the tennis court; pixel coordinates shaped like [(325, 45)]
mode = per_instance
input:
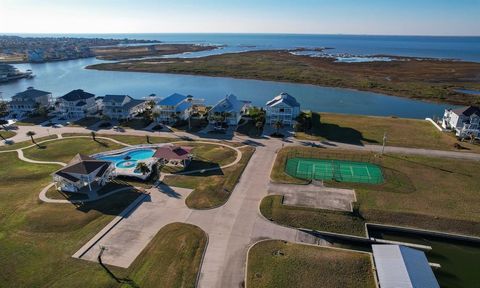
[(338, 170)]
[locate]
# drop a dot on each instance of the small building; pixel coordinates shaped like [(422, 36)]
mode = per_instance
[(122, 107), (83, 174), (29, 100), (283, 108), (228, 111), (171, 155), (77, 104), (174, 108), (403, 267), (465, 121)]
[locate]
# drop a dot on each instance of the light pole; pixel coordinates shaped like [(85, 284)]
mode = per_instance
[(384, 141)]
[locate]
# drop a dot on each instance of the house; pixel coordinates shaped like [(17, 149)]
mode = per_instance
[(283, 108), (402, 267), (29, 100), (122, 107), (229, 110), (83, 174), (173, 108), (172, 155), (76, 104), (465, 121)]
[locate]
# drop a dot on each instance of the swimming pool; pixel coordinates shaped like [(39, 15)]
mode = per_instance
[(130, 158)]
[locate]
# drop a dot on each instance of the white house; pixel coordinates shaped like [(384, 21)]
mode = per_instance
[(83, 174), (464, 121), (28, 101), (229, 109), (122, 106), (76, 104), (174, 107), (283, 108)]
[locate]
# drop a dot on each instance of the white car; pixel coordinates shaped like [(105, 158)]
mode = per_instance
[(57, 125)]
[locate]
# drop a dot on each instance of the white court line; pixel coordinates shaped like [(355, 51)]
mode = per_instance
[(368, 172)]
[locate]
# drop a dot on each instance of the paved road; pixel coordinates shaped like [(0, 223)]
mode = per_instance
[(231, 229), (45, 131)]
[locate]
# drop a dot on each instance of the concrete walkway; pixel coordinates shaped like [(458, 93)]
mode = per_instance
[(23, 158), (231, 228)]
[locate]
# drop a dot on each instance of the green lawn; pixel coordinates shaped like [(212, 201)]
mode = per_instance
[(172, 258), (129, 139), (279, 264), (34, 120), (38, 239), (213, 188), (136, 124), (25, 143), (422, 192), (85, 122), (7, 134), (357, 129), (63, 150)]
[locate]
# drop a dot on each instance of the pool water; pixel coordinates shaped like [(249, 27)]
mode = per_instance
[(129, 159)]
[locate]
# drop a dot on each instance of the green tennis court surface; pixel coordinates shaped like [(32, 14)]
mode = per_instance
[(338, 170)]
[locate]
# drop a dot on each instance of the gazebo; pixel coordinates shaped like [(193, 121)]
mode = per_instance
[(172, 155)]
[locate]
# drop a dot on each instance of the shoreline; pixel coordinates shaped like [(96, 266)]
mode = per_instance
[(439, 89)]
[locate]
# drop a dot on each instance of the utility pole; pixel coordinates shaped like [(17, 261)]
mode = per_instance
[(384, 141)]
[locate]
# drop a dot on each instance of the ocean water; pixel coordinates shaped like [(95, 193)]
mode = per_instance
[(461, 48), (62, 77)]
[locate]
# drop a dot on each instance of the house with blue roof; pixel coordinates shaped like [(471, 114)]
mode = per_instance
[(283, 108), (122, 107), (228, 110), (77, 104), (174, 108)]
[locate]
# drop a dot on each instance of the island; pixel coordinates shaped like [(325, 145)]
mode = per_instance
[(15, 49), (424, 79)]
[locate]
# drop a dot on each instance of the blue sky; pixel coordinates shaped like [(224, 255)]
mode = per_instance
[(387, 17)]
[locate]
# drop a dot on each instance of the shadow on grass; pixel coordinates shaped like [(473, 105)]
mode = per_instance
[(336, 133), (426, 165)]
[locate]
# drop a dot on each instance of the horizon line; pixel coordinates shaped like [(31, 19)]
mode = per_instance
[(239, 33)]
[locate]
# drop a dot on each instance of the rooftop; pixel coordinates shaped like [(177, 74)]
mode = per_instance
[(30, 93), (78, 94), (172, 152), (229, 104), (403, 267), (467, 111), (83, 165), (284, 98), (172, 100)]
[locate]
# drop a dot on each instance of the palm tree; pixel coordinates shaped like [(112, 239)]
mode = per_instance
[(31, 134), (259, 126), (93, 136), (278, 125), (142, 167), (3, 122)]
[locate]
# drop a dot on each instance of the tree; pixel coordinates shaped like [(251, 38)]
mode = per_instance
[(3, 109), (278, 125), (31, 134), (93, 136), (259, 126), (143, 168), (3, 138), (3, 122), (155, 115)]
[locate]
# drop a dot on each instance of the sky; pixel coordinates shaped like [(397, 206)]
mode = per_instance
[(381, 17)]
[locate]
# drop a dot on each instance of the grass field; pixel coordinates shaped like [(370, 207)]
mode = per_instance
[(25, 143), (213, 188), (129, 139), (38, 239), (85, 122), (422, 192), (34, 120), (63, 150), (360, 130), (7, 134), (172, 258), (274, 263)]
